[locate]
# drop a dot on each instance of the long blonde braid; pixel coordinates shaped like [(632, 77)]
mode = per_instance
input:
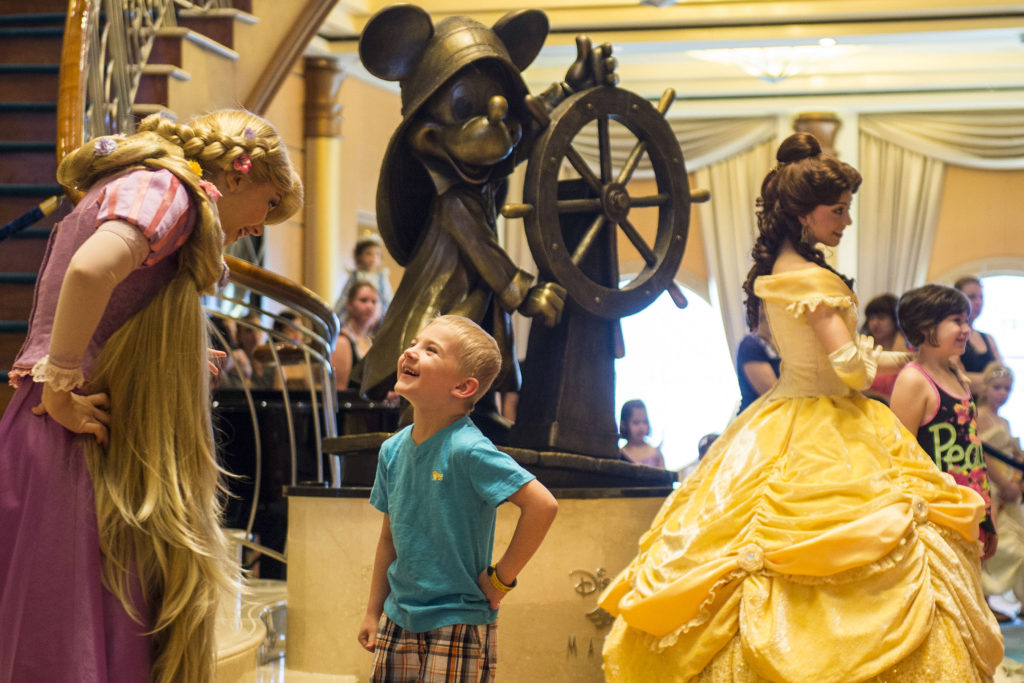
[(157, 489)]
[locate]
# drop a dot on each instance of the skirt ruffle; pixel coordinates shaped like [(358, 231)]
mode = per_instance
[(821, 541)]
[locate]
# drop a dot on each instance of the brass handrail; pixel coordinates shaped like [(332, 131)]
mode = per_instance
[(71, 89), (286, 291)]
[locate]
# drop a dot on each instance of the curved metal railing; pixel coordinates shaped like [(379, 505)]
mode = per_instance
[(255, 299)]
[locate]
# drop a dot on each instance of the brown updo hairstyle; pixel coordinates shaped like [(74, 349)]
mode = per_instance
[(920, 311), (804, 179)]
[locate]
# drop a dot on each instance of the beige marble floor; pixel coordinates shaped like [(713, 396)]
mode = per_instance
[(277, 672)]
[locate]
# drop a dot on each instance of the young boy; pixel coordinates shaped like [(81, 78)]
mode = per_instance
[(439, 482)]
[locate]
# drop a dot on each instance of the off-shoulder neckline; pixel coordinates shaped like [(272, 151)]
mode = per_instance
[(803, 272), (812, 266)]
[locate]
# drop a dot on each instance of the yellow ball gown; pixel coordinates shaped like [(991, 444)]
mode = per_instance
[(815, 543)]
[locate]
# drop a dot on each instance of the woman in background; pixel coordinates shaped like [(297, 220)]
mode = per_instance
[(880, 323), (981, 347), (362, 308)]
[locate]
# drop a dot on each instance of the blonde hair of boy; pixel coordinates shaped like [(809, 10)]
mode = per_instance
[(478, 354), (157, 491)]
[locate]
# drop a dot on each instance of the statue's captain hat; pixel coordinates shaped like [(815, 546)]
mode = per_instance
[(400, 43)]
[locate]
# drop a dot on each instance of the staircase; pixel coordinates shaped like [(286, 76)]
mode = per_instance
[(30, 53), (30, 45)]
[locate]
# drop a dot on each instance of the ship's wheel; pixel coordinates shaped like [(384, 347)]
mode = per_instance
[(568, 222), (581, 216)]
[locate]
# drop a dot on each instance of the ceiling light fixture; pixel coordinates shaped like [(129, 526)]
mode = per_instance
[(775, 63)]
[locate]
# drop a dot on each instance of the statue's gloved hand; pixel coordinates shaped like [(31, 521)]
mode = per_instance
[(593, 66), (546, 301)]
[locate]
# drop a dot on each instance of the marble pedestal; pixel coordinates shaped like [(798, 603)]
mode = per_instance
[(548, 628)]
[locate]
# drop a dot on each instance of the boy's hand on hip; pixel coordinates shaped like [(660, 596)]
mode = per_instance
[(492, 594), (368, 633)]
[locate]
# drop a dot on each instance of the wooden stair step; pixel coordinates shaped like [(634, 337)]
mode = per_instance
[(24, 250), (6, 391), (15, 204), (10, 343), (16, 295), (168, 46), (30, 45), (45, 12), (28, 82), (216, 24), (155, 83), (28, 162), (35, 121)]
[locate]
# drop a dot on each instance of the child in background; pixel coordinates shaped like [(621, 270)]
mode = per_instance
[(880, 323), (1004, 571), (439, 482), (369, 255), (933, 399), (634, 427)]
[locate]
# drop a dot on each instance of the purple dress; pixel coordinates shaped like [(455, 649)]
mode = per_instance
[(57, 621)]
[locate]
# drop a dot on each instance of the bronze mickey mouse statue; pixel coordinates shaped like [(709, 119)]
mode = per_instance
[(466, 125)]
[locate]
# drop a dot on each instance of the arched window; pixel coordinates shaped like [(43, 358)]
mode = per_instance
[(1003, 318), (678, 363)]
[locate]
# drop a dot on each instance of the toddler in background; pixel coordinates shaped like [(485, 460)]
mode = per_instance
[(634, 427), (1004, 571), (369, 255)]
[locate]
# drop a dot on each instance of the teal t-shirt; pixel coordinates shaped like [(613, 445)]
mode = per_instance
[(442, 497)]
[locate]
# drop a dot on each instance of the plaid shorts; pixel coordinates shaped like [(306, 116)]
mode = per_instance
[(460, 653)]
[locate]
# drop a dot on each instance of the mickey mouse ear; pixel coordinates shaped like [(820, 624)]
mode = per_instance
[(523, 32), (393, 39)]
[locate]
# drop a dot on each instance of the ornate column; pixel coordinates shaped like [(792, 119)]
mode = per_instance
[(322, 250)]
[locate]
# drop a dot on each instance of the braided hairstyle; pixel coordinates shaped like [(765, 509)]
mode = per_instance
[(214, 141), (156, 485), (804, 179)]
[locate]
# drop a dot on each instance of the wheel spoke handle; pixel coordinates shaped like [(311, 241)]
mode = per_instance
[(516, 210), (678, 298)]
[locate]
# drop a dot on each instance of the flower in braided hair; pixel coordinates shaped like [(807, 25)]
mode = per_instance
[(242, 163)]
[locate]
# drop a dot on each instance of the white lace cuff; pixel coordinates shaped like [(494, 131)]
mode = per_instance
[(60, 378)]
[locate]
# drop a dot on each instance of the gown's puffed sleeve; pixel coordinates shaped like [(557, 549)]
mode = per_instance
[(803, 290), (157, 203)]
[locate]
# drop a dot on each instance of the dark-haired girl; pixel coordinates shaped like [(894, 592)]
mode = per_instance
[(932, 397), (816, 541)]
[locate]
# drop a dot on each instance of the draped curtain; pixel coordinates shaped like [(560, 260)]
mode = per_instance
[(903, 159), (730, 228), (898, 211)]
